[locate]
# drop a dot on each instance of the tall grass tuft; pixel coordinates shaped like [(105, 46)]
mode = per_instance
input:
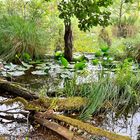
[(119, 93), (101, 91), (19, 36)]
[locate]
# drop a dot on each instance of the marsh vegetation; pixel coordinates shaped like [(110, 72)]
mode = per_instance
[(82, 57)]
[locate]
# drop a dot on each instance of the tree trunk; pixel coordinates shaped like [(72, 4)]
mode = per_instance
[(68, 42)]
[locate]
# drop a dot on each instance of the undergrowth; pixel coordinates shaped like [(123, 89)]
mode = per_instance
[(118, 92)]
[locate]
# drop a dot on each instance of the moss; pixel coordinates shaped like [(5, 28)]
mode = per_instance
[(34, 107), (71, 103), (54, 104), (27, 105), (90, 129), (17, 99), (60, 103)]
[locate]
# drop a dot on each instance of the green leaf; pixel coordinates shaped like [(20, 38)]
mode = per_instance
[(26, 56), (58, 54), (104, 48), (64, 61), (98, 54), (88, 12), (80, 65), (79, 58), (95, 61)]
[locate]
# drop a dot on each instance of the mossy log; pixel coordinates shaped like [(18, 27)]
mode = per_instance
[(44, 104), (58, 104), (15, 90), (90, 128)]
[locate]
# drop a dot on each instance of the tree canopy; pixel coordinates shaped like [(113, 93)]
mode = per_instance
[(88, 12)]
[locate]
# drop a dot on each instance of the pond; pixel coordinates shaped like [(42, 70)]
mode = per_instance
[(47, 78)]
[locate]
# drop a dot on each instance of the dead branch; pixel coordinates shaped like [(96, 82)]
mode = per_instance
[(60, 104)]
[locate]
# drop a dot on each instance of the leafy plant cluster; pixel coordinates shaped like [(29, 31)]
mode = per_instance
[(103, 57), (80, 62)]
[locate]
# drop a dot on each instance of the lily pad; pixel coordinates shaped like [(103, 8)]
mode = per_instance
[(39, 72), (10, 67), (26, 65), (16, 73)]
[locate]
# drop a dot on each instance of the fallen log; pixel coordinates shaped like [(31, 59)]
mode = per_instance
[(16, 90), (67, 134), (58, 104), (74, 122), (90, 128), (43, 104), (72, 103), (82, 126)]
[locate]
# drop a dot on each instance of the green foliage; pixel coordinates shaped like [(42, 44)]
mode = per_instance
[(98, 54), (95, 61), (83, 41), (104, 49), (104, 37), (125, 21), (88, 13), (79, 58), (26, 57), (126, 48), (80, 65), (70, 87), (58, 54), (99, 92), (129, 86), (64, 62), (25, 28), (113, 93), (104, 57), (60, 57), (125, 72)]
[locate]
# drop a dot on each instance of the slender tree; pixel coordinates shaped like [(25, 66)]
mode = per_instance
[(88, 12)]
